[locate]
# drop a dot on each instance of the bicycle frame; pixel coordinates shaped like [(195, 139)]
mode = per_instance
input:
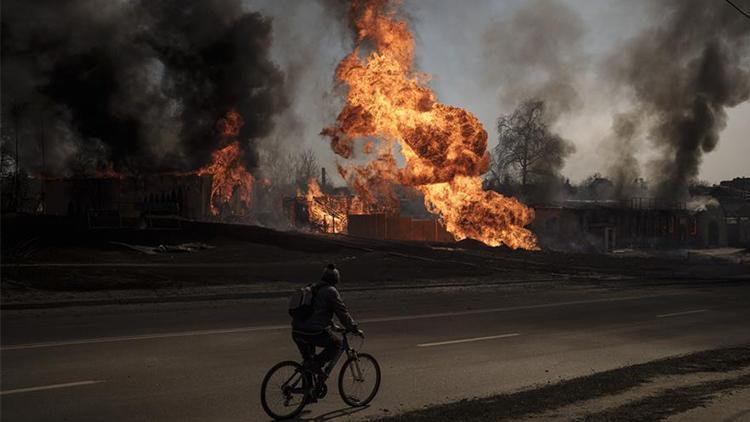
[(305, 386), (345, 348), (350, 353), (294, 388)]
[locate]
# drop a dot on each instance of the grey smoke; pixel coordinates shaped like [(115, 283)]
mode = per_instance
[(683, 73), (139, 84), (536, 53), (623, 167), (309, 39)]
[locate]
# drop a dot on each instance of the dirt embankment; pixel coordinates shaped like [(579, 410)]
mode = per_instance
[(651, 391), (53, 254)]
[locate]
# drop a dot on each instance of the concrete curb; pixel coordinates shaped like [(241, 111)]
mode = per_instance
[(662, 281), (251, 295)]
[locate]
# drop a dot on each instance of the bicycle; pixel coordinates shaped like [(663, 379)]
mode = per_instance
[(291, 386)]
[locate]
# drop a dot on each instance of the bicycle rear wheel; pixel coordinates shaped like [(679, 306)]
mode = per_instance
[(359, 380), (285, 390)]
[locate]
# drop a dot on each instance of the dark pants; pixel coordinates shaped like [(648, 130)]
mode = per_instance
[(306, 343)]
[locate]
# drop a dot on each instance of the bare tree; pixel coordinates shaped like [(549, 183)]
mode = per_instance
[(527, 147), (278, 166), (306, 167)]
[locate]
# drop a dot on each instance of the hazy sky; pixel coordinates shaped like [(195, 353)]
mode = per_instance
[(452, 46)]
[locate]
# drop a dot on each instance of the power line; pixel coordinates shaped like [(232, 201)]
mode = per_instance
[(745, 14)]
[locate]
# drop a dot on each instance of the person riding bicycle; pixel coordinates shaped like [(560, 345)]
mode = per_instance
[(316, 330), (289, 386)]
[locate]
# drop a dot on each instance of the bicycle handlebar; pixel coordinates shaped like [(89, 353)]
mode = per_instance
[(342, 330)]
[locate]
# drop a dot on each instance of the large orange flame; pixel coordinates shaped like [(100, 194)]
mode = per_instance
[(444, 147), (229, 126), (227, 169)]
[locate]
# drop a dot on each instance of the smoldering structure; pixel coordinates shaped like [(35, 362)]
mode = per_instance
[(683, 73), (138, 84), (643, 223)]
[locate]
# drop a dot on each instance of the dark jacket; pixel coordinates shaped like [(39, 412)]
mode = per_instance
[(326, 303)]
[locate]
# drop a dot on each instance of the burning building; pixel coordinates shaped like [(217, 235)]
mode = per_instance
[(340, 211), (318, 211), (222, 190), (127, 110)]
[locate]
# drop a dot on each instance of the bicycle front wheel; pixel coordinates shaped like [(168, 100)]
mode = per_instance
[(359, 380), (284, 391)]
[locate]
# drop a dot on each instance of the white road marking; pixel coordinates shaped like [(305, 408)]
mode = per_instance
[(143, 337), (512, 308), (49, 387), (286, 326), (468, 340), (697, 311)]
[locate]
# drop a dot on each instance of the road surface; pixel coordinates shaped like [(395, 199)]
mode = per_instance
[(205, 361)]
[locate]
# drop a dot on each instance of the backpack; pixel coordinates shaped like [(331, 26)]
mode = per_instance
[(301, 302)]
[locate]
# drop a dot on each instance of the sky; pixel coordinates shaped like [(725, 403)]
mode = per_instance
[(452, 44)]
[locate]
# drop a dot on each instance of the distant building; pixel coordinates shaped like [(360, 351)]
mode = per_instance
[(638, 223), (739, 187), (738, 223), (734, 197)]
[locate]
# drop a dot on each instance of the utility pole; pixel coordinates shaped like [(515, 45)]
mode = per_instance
[(15, 111), (44, 159), (43, 179)]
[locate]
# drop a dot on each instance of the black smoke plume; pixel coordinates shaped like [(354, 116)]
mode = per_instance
[(684, 73), (139, 84)]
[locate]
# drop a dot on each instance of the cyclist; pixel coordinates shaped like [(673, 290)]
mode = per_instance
[(316, 330)]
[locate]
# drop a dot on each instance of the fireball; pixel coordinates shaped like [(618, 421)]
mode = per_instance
[(444, 147)]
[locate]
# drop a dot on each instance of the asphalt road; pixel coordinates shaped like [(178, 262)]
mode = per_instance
[(205, 361)]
